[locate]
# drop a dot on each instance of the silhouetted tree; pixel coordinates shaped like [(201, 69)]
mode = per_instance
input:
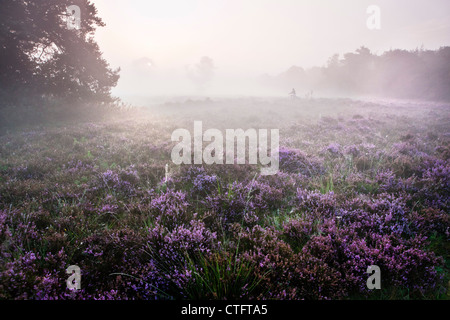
[(41, 57)]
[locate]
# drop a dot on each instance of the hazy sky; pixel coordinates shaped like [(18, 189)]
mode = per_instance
[(246, 38)]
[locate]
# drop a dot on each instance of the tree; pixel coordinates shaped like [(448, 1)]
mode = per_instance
[(357, 70), (202, 73), (41, 57)]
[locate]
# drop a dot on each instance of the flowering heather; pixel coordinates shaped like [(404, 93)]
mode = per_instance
[(246, 203), (124, 181), (355, 187)]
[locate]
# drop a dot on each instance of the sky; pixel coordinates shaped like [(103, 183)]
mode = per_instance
[(157, 42)]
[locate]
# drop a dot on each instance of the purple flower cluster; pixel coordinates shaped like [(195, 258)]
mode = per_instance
[(170, 209), (243, 202), (97, 197), (124, 182), (295, 161), (333, 149), (197, 181)]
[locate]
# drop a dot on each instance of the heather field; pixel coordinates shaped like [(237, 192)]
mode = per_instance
[(360, 183)]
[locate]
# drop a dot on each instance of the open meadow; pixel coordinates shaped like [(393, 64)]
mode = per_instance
[(360, 183)]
